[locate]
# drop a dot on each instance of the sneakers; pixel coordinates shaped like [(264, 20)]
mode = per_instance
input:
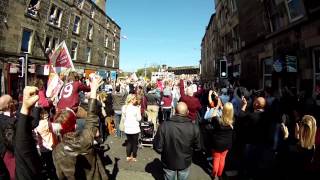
[(129, 159)]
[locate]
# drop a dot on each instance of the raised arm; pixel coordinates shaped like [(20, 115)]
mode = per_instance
[(28, 164), (181, 84)]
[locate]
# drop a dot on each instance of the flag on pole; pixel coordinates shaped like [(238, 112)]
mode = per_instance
[(60, 58), (60, 62)]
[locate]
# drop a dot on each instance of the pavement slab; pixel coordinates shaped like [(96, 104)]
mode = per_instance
[(147, 167)]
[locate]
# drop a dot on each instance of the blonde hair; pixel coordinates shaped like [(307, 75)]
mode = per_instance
[(307, 132), (130, 97), (102, 96), (227, 114)]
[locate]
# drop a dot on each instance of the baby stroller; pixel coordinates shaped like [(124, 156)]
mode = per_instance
[(147, 129)]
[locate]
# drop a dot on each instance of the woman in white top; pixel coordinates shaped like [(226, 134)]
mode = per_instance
[(131, 126)]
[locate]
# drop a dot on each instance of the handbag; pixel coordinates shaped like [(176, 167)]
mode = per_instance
[(123, 117)]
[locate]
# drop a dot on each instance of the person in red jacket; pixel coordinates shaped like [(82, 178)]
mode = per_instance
[(69, 95), (192, 102), (43, 101)]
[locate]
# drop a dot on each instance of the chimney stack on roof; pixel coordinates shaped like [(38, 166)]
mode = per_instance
[(101, 4)]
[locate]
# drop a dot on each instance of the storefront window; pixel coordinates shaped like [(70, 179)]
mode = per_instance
[(267, 72), (316, 56)]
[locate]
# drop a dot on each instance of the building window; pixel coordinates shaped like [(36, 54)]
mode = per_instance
[(79, 3), (50, 44), (55, 15), (295, 10), (114, 45), (88, 54), (108, 25), (33, 8), (316, 67), (313, 5), (74, 50), (90, 31), (106, 40), (26, 40), (267, 72), (92, 12), (76, 25), (113, 62), (105, 60)]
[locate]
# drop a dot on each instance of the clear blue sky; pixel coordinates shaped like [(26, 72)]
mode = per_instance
[(160, 31)]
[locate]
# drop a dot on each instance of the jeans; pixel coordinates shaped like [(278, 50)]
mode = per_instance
[(166, 114), (178, 174), (102, 128), (257, 161), (117, 118)]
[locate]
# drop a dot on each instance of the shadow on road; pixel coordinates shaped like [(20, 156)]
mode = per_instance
[(200, 159), (155, 168), (115, 170)]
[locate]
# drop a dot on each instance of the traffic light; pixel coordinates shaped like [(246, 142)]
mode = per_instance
[(223, 69), (21, 66)]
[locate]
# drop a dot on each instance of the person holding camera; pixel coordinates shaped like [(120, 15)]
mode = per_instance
[(256, 132)]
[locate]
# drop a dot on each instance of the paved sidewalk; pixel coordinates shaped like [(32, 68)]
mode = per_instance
[(147, 167)]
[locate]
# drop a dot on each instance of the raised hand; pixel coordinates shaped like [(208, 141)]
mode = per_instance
[(30, 97), (96, 82)]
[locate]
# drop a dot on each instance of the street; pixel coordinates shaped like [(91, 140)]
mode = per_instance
[(147, 167)]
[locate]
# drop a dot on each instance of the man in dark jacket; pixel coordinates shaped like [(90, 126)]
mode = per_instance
[(256, 133), (7, 127), (28, 163), (176, 139)]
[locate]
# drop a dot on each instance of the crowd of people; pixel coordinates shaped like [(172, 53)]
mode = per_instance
[(257, 133)]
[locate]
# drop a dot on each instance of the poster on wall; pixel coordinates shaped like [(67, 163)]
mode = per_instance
[(277, 65), (291, 63)]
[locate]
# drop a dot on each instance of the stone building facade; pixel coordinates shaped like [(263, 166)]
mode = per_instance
[(37, 27), (277, 45), (227, 41), (209, 52), (282, 50)]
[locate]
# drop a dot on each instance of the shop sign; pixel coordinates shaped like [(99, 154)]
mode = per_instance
[(113, 75), (277, 66), (103, 74), (88, 72), (291, 63), (80, 71)]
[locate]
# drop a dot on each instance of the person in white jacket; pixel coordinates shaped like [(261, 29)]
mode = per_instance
[(131, 126)]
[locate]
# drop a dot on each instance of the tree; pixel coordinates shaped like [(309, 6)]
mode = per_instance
[(148, 71)]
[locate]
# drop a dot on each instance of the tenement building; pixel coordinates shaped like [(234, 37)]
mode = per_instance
[(36, 27), (278, 44), (221, 42), (209, 52)]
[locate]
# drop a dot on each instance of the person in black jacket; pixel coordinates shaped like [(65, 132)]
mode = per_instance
[(28, 162), (7, 128), (221, 138), (256, 131), (176, 139)]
